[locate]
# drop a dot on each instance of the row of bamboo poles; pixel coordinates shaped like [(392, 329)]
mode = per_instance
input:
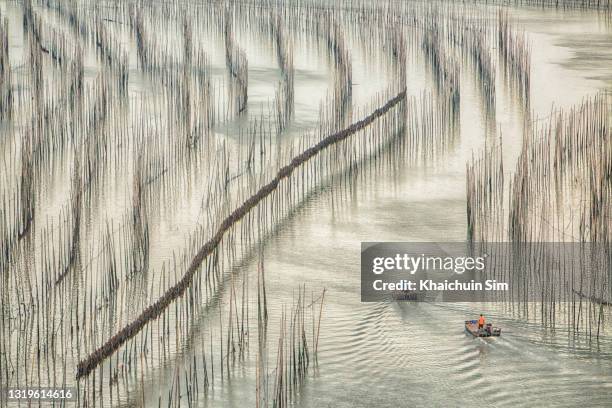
[(559, 192), (155, 309)]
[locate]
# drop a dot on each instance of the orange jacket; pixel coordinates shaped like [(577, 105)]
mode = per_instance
[(481, 321)]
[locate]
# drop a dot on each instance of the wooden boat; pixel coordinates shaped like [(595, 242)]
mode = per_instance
[(407, 295), (471, 326)]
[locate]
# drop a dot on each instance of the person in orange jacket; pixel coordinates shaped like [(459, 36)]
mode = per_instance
[(481, 322)]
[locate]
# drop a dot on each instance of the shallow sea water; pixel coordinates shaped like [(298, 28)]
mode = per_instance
[(387, 354)]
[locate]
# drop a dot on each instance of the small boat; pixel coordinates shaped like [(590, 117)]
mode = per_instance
[(407, 295), (471, 326)]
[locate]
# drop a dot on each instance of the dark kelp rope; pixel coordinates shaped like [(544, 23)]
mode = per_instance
[(153, 311)]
